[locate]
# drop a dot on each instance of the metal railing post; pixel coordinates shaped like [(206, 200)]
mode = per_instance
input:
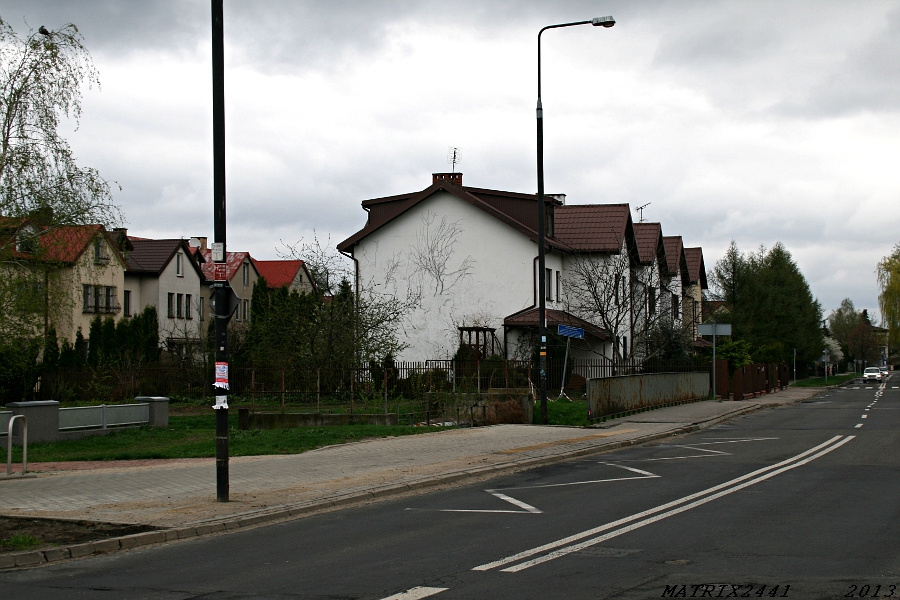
[(9, 434)]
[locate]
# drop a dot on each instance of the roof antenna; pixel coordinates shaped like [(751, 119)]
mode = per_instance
[(640, 209), (454, 157)]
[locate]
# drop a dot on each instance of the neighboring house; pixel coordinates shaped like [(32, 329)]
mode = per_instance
[(165, 274), (468, 257), (291, 274), (240, 272), (648, 278), (692, 294), (82, 269), (674, 276)]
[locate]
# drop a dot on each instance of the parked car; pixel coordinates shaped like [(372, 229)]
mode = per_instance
[(872, 374)]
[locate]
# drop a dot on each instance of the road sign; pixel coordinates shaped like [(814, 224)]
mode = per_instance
[(570, 332), (714, 329), (220, 271), (233, 303)]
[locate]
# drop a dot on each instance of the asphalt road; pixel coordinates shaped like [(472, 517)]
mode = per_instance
[(796, 502)]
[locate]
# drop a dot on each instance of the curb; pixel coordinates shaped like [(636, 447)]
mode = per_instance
[(289, 511)]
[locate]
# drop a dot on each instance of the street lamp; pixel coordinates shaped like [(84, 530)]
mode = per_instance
[(542, 291)]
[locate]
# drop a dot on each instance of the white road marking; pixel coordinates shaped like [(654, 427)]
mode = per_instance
[(858, 425), (856, 388), (593, 541), (515, 502), (865, 416), (868, 408), (895, 387), (695, 447), (416, 593), (641, 515)]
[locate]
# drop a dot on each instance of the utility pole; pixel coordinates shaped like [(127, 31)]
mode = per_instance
[(219, 256)]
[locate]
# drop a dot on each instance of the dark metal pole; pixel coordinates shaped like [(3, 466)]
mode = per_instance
[(542, 209), (221, 292)]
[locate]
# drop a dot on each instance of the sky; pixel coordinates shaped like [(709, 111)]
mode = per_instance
[(756, 122)]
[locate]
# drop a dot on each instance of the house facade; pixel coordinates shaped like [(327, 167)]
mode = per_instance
[(165, 274), (291, 274), (466, 258)]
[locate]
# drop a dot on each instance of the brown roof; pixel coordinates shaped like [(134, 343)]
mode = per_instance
[(64, 244), (674, 253), (515, 209), (649, 239), (593, 227), (152, 256), (696, 267), (529, 318)]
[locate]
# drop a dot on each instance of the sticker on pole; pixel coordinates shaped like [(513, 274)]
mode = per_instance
[(221, 375), (221, 402), (220, 272)]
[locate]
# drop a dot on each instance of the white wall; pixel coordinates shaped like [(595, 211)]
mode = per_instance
[(478, 271)]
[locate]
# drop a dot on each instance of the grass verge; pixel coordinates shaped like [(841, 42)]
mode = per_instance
[(563, 412), (194, 437), (820, 381)]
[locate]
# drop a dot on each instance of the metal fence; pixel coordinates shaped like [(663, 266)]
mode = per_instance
[(396, 387), (103, 416)]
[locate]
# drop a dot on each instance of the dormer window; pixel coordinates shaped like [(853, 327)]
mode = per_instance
[(100, 255)]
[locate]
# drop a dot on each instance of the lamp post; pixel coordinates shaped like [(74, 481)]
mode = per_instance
[(542, 262)]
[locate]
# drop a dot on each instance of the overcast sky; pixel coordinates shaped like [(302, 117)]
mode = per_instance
[(753, 121)]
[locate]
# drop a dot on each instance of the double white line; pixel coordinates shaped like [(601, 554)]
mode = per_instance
[(636, 521)]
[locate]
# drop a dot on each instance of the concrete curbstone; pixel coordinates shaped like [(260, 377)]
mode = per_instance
[(29, 559), (232, 525), (186, 532), (142, 539), (171, 534), (106, 546), (389, 491), (255, 520), (210, 528), (54, 554), (79, 550), (7, 561), (343, 500)]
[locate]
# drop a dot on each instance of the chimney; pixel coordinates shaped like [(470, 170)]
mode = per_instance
[(454, 178), (198, 242)]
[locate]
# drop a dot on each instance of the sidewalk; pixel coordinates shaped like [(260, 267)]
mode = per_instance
[(180, 494)]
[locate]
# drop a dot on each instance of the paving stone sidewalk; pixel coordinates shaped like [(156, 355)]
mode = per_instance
[(179, 493)]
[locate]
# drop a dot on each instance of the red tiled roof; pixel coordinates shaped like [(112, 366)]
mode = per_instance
[(529, 318), (64, 244), (696, 268), (278, 273), (648, 237), (674, 252), (234, 260)]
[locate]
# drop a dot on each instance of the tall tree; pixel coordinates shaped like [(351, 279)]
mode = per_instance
[(888, 272)]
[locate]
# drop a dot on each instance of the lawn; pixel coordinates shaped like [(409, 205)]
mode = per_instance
[(194, 437), (820, 381), (563, 412)]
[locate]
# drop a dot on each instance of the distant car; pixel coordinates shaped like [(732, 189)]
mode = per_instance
[(872, 374), (885, 371)]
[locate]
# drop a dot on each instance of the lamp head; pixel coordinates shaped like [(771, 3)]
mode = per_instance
[(603, 21)]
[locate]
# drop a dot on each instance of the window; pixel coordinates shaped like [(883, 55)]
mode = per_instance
[(126, 302), (26, 239), (187, 307), (246, 304), (100, 256), (179, 305), (625, 346), (171, 312), (99, 299), (179, 265), (88, 298), (651, 298), (618, 278), (246, 274), (200, 308), (557, 286), (674, 307), (548, 284)]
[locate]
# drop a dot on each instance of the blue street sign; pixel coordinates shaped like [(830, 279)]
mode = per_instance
[(571, 332)]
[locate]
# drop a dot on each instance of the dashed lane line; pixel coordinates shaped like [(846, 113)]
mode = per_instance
[(858, 425)]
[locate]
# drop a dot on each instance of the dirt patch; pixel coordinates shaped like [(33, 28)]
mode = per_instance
[(18, 534)]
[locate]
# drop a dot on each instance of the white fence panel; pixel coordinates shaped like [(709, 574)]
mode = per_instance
[(5, 416), (127, 414), (80, 417)]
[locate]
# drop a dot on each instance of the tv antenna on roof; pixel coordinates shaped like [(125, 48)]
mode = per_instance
[(640, 209), (454, 157)]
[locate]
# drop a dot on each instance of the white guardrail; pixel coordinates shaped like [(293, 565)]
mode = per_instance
[(103, 416)]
